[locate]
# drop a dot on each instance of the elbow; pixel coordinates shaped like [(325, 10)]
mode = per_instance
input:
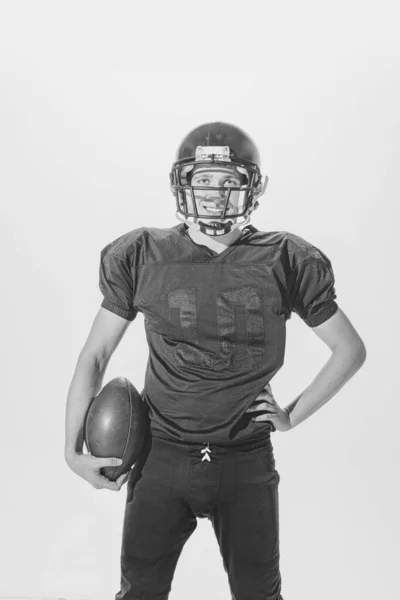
[(360, 352), (356, 352), (362, 355)]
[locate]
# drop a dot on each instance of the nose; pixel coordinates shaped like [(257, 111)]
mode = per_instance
[(217, 196)]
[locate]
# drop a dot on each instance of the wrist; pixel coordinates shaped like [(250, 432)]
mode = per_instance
[(287, 411)]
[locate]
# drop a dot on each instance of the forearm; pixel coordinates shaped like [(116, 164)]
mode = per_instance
[(340, 367), (85, 384)]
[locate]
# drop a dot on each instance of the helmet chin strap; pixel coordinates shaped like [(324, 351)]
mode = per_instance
[(216, 231), (222, 230), (211, 230)]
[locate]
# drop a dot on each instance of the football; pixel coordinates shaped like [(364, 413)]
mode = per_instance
[(116, 425)]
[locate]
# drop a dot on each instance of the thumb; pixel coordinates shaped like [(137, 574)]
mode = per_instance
[(122, 479)]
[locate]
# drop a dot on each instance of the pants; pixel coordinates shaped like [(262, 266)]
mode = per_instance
[(176, 483)]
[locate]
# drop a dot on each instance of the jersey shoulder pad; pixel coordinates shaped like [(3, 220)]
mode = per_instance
[(300, 250), (123, 244)]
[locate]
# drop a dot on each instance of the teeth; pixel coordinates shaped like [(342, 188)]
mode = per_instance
[(212, 209)]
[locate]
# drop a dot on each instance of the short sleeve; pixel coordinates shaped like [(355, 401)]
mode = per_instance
[(312, 294), (116, 285)]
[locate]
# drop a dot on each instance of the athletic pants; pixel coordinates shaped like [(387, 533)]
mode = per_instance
[(171, 486)]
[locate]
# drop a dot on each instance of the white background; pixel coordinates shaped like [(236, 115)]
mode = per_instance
[(95, 98)]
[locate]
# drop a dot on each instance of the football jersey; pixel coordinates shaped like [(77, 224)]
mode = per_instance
[(215, 323)]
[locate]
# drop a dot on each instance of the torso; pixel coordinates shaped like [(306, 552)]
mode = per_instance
[(215, 325)]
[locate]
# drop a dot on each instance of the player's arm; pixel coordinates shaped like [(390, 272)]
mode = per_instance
[(105, 334), (116, 312), (348, 353)]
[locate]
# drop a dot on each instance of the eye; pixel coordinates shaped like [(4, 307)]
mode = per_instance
[(199, 181), (232, 182)]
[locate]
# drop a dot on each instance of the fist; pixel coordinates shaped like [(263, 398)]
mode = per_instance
[(88, 467)]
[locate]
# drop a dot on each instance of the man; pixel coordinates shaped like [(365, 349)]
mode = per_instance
[(216, 294)]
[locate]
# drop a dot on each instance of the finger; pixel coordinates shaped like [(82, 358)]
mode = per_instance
[(103, 482), (266, 417), (109, 462), (122, 479), (267, 413), (270, 401), (257, 406)]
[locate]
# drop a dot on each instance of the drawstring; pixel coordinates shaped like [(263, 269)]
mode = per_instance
[(205, 451)]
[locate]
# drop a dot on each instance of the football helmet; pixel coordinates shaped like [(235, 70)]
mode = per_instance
[(221, 147)]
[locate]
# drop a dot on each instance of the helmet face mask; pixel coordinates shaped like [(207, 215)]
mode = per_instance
[(200, 197), (215, 209)]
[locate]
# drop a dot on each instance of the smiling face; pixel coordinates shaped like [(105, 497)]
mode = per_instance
[(211, 202)]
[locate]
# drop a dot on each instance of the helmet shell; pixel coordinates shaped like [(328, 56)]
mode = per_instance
[(220, 134)]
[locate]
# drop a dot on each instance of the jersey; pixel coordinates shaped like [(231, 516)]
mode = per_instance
[(215, 323)]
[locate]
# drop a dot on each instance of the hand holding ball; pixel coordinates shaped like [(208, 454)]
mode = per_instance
[(116, 425)]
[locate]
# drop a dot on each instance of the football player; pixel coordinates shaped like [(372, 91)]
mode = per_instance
[(216, 294)]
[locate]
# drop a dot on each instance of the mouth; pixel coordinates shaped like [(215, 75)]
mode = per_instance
[(212, 209)]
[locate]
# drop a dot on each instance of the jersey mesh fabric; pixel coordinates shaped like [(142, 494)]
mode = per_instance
[(215, 323)]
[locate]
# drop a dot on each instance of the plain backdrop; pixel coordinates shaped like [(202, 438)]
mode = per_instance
[(95, 98)]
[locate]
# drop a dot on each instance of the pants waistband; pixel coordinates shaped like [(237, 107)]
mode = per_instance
[(242, 446)]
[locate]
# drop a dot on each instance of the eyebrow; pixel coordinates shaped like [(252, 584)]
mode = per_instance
[(231, 176)]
